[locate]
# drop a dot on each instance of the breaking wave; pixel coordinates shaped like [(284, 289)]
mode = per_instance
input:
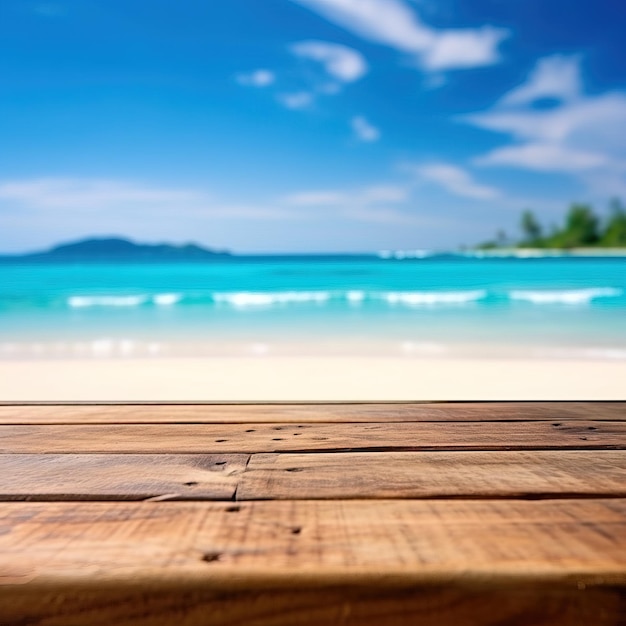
[(251, 298), (567, 296), (430, 298), (77, 302), (351, 297), (160, 299)]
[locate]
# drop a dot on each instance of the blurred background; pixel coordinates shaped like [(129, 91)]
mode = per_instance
[(312, 199)]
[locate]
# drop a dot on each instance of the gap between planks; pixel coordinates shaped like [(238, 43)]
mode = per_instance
[(401, 475)]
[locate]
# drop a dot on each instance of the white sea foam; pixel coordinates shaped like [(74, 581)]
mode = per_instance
[(568, 296), (250, 298), (404, 254), (355, 297), (166, 299), (88, 301), (430, 298)]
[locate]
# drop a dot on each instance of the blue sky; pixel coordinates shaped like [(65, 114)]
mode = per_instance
[(305, 125)]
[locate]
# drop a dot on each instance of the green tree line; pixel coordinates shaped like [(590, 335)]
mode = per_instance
[(583, 228)]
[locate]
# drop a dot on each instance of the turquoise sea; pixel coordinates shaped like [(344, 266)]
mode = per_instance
[(387, 304)]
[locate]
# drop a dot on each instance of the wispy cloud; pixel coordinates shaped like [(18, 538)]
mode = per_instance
[(340, 62), (257, 78), (316, 198), (339, 65), (395, 24), (544, 157), (384, 215), (69, 197), (296, 100), (37, 212), (456, 181), (378, 204), (464, 49), (576, 135), (376, 194), (364, 130), (375, 203), (90, 194), (557, 76)]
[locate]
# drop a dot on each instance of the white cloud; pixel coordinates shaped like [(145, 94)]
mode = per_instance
[(555, 76), (582, 120), (579, 135), (296, 100), (383, 215), (456, 181), (385, 193), (389, 22), (376, 194), (395, 24), (316, 198), (342, 63), (363, 130), (369, 204), (459, 49), (91, 194), (544, 157), (101, 199), (258, 78)]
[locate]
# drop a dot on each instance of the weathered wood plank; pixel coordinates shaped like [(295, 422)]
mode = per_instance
[(310, 563), (249, 438), (513, 603), (434, 475), (119, 476), (322, 412)]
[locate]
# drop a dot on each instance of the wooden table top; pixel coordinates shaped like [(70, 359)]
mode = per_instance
[(313, 514)]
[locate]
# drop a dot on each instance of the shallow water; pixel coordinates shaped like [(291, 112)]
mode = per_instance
[(432, 306)]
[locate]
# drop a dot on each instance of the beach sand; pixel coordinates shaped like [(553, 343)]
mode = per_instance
[(310, 379)]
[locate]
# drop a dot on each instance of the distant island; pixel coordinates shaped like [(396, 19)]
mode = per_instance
[(119, 249), (583, 228)]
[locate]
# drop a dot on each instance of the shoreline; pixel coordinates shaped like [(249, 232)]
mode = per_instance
[(289, 378), (526, 253), (274, 346)]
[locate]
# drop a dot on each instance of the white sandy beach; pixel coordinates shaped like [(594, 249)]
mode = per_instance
[(310, 378)]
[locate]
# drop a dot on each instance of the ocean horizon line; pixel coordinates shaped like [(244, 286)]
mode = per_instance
[(118, 248), (386, 255)]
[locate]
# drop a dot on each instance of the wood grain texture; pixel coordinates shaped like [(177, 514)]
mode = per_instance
[(288, 413), (443, 514), (512, 603), (434, 475), (119, 476), (249, 438), (309, 563)]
